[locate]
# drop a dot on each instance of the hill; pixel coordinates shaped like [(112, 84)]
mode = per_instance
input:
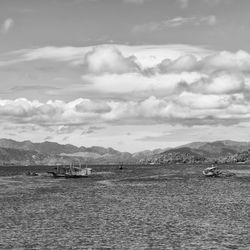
[(220, 148), (46, 147), (178, 155), (46, 153), (27, 152), (204, 152)]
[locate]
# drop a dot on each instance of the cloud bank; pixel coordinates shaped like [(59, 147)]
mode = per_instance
[(141, 85), (186, 108)]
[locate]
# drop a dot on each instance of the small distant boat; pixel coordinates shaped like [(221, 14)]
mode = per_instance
[(71, 172), (121, 166), (212, 172), (215, 172)]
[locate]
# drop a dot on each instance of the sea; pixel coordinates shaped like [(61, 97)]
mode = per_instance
[(137, 207)]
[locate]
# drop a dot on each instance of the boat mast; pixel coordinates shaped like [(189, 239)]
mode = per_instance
[(86, 168)]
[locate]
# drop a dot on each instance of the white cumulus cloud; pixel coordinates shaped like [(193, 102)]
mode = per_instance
[(137, 84), (185, 108), (108, 59), (7, 25)]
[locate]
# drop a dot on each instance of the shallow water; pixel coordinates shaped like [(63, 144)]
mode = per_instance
[(139, 207)]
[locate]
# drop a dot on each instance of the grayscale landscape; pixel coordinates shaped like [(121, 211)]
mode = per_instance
[(124, 124)]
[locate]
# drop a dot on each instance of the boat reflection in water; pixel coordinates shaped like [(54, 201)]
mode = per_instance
[(71, 171)]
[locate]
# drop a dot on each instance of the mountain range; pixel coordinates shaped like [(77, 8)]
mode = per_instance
[(49, 153)]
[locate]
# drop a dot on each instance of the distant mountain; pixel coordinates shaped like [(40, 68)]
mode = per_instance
[(194, 145), (217, 149), (42, 148), (220, 148), (199, 152), (89, 157), (15, 155), (49, 153), (11, 156), (178, 155), (52, 152), (147, 154), (54, 148)]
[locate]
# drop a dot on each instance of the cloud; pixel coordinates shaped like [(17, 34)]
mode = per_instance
[(20, 128), (7, 25), (52, 112), (141, 84), (227, 61), (136, 85), (135, 72), (207, 102), (185, 108), (213, 74), (91, 130), (88, 106), (108, 59), (220, 61), (144, 55), (105, 58), (61, 54), (174, 23), (64, 129), (220, 83), (183, 63), (195, 109), (32, 88)]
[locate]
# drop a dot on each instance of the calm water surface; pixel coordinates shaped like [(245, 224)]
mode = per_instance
[(139, 207)]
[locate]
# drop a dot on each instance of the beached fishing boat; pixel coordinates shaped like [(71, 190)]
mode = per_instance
[(215, 172), (212, 172), (71, 172)]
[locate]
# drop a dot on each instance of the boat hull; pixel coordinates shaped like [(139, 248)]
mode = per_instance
[(76, 176), (211, 174), (81, 174)]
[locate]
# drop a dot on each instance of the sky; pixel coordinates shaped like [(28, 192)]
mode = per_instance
[(127, 74)]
